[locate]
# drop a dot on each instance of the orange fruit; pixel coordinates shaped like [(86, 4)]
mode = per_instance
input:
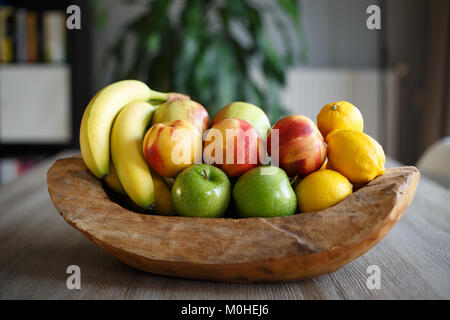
[(339, 115)]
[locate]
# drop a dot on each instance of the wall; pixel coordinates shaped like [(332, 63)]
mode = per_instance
[(337, 35), (407, 22)]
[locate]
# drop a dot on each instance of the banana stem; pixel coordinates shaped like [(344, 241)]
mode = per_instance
[(159, 96), (167, 96)]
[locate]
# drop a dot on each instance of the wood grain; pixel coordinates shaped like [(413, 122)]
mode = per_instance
[(37, 248), (235, 250)]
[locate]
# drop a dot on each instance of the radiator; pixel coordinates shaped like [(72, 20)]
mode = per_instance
[(308, 90)]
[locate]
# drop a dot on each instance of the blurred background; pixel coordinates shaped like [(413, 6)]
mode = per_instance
[(285, 56)]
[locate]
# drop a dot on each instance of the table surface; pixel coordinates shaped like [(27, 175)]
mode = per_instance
[(37, 246)]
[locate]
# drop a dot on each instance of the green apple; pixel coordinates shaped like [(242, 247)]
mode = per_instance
[(264, 192), (201, 190), (248, 112)]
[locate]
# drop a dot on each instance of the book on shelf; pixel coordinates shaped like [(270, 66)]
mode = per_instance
[(54, 27), (6, 34), (28, 36), (21, 35), (32, 37)]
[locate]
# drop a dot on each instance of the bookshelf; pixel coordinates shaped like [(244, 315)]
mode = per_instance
[(41, 101)]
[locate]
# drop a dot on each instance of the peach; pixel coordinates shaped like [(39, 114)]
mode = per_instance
[(183, 110), (233, 145), (301, 148), (169, 147)]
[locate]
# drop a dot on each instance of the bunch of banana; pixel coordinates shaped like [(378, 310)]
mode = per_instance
[(112, 180), (112, 127)]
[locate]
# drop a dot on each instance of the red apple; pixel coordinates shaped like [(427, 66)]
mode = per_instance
[(233, 145), (300, 148)]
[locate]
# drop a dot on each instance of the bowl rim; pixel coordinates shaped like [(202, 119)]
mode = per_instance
[(238, 250)]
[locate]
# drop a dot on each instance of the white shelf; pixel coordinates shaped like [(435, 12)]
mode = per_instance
[(35, 103)]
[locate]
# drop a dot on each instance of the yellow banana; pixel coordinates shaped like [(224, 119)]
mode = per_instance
[(126, 152), (112, 180), (163, 198), (99, 116), (84, 144)]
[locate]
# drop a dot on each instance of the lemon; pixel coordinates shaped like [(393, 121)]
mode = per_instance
[(322, 189), (339, 115), (356, 155)]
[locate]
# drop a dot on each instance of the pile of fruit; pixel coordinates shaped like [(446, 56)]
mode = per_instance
[(159, 152)]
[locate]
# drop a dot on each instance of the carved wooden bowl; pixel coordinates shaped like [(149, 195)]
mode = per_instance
[(233, 250)]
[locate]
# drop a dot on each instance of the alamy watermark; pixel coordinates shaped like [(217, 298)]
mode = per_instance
[(373, 22), (74, 280), (73, 21), (374, 280)]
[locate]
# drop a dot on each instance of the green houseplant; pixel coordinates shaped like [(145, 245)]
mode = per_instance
[(215, 51)]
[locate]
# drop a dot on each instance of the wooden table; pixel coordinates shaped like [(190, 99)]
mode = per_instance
[(37, 246)]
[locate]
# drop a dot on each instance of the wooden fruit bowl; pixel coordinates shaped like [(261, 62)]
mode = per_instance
[(234, 250)]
